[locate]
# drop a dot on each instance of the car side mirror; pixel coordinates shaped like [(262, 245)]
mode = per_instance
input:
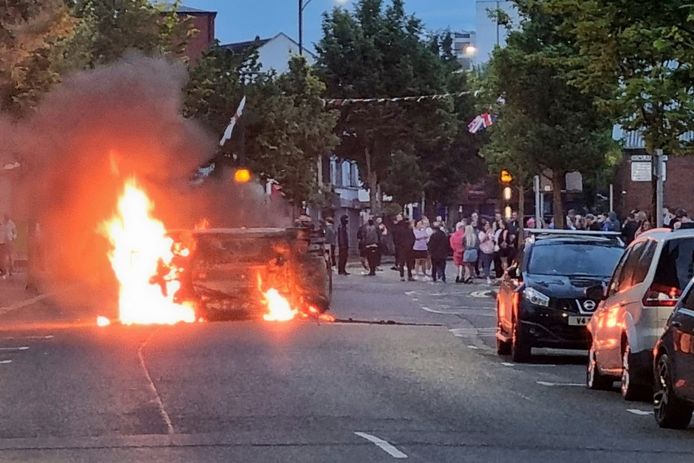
[(596, 293)]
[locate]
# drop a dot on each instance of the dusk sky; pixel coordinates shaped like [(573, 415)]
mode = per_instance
[(239, 20)]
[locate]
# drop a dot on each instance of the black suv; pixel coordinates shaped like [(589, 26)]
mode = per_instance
[(541, 300)]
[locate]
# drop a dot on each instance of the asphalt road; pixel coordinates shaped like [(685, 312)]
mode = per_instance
[(425, 385)]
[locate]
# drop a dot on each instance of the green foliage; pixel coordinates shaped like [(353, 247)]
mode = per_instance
[(284, 128), (34, 34), (546, 123), (637, 58), (122, 25), (404, 178), (379, 51)]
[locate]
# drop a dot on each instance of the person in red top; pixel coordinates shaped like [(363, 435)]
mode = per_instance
[(456, 242)]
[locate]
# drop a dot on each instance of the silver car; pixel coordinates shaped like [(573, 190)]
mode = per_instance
[(634, 309)]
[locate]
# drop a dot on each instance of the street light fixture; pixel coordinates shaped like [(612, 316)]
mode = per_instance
[(302, 6)]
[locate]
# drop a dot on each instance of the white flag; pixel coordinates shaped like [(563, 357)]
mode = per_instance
[(232, 123)]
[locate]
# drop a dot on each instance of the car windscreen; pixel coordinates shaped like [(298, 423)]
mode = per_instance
[(224, 248), (574, 259), (676, 263)]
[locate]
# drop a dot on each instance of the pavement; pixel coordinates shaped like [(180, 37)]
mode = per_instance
[(409, 373)]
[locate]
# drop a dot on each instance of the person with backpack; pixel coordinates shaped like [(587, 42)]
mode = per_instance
[(371, 238), (471, 244)]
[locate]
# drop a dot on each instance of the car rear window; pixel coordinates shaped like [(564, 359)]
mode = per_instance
[(574, 259), (676, 263)]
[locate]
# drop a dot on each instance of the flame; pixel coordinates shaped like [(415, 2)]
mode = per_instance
[(102, 321), (203, 224), (279, 308), (141, 258)]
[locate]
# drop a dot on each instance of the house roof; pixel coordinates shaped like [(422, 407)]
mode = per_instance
[(185, 9), (238, 47), (634, 139)]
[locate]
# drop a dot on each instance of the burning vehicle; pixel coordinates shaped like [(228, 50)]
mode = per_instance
[(276, 273)]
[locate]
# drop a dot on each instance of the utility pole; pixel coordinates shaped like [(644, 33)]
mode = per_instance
[(538, 201), (302, 6), (659, 160)]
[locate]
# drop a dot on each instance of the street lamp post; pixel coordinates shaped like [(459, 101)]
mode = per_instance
[(302, 5)]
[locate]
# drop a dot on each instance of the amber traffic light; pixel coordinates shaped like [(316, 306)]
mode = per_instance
[(242, 175), (505, 176)]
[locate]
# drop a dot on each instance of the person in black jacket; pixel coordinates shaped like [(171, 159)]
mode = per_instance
[(438, 250), (343, 245), (403, 240)]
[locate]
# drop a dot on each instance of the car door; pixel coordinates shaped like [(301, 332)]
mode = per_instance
[(682, 330), (617, 309), (508, 294), (606, 317)]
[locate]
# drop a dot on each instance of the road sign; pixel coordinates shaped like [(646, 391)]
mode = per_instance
[(641, 157), (641, 171)]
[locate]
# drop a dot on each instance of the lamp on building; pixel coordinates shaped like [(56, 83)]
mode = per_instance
[(470, 50)]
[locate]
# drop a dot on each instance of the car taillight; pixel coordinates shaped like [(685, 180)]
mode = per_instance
[(661, 296)]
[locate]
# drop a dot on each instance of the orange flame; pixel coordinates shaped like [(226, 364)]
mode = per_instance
[(141, 258), (279, 308)]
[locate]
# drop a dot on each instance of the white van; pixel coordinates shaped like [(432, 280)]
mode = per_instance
[(636, 305)]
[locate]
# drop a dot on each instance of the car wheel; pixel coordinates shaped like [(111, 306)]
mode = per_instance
[(630, 390), (669, 411), (594, 379), (520, 349)]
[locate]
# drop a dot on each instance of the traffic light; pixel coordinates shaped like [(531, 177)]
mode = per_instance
[(505, 177), (242, 175)]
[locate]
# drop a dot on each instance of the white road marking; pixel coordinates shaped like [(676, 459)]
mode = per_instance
[(157, 397), (13, 338), (636, 411), (473, 347), (479, 311), (548, 384), (14, 349), (383, 445), (5, 362), (530, 365), (481, 294)]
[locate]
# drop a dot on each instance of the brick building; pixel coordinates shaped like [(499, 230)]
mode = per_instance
[(678, 188), (203, 22)]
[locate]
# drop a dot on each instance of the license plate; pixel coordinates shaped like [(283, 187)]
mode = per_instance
[(579, 321)]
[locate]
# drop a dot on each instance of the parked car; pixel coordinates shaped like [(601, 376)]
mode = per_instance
[(635, 307), (541, 301), (673, 365)]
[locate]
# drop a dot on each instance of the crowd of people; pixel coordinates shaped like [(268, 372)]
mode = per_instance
[(479, 247)]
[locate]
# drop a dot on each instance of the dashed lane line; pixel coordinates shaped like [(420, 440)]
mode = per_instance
[(5, 362), (548, 384), (386, 446), (638, 412), (14, 349), (16, 338)]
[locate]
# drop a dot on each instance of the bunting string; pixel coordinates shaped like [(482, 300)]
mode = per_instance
[(339, 102)]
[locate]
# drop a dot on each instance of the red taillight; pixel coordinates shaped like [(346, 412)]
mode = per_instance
[(661, 296)]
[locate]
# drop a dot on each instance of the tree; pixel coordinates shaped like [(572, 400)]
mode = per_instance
[(119, 26), (33, 36), (637, 60), (546, 123), (378, 51), (285, 126)]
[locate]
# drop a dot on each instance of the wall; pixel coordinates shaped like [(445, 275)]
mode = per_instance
[(276, 53), (678, 192), (204, 23)]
